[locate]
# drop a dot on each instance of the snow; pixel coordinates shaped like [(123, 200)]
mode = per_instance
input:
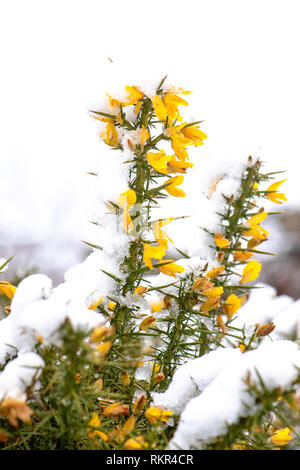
[(226, 400), (19, 374)]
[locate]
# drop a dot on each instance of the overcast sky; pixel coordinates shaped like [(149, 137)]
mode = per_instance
[(240, 58)]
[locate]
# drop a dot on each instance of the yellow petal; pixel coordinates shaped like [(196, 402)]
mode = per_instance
[(250, 272)]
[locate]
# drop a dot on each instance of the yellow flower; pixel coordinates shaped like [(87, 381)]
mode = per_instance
[(125, 378), (250, 272), (171, 98), (95, 422), (215, 272), (255, 230), (157, 305), (194, 135), (172, 186), (129, 425), (183, 135), (256, 241), (148, 322), (140, 290), (111, 305), (135, 443), (242, 256), (95, 305), (201, 284), (110, 135), (103, 349), (139, 404), (210, 304), (158, 161), (156, 415), (220, 241), (159, 108), (156, 252), (281, 437), (7, 289), (116, 409), (160, 236), (212, 292), (178, 166), (171, 268), (14, 409), (133, 95), (274, 196), (126, 200), (144, 136), (232, 304), (100, 332)]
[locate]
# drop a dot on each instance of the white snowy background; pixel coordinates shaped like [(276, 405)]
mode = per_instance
[(240, 58)]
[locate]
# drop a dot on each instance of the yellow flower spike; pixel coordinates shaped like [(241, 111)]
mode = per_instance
[(232, 304), (172, 186), (140, 290), (171, 268), (255, 230), (136, 443), (250, 272), (158, 161), (148, 322), (213, 292), (160, 236), (210, 304), (178, 166), (139, 405), (158, 415), (116, 409), (220, 241), (126, 200), (156, 252), (281, 437), (129, 425), (95, 305), (7, 289), (159, 108), (215, 272), (278, 198)]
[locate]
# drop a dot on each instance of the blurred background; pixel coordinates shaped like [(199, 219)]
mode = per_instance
[(60, 57)]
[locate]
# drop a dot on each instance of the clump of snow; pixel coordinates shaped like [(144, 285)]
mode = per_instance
[(19, 374), (226, 399), (192, 378)]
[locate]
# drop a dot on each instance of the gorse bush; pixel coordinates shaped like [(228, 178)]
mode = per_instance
[(157, 339)]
